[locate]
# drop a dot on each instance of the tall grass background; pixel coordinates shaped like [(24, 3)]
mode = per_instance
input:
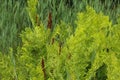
[(14, 16)]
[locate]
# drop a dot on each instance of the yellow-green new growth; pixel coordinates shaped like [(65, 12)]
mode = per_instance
[(32, 10)]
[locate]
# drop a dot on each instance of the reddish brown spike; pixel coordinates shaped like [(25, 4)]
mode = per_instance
[(60, 46), (53, 41), (49, 25), (37, 21), (43, 68)]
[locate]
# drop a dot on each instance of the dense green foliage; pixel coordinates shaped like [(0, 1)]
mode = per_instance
[(91, 52), (14, 16)]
